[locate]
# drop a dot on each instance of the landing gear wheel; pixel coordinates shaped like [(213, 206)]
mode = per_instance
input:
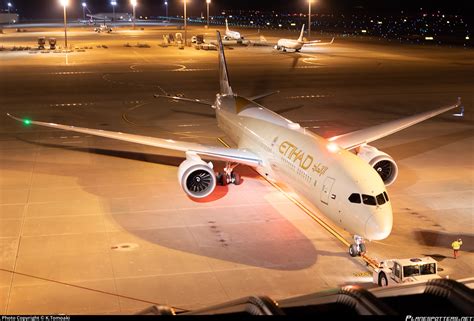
[(362, 248), (223, 180), (219, 178), (353, 251), (383, 279), (236, 178), (284, 50)]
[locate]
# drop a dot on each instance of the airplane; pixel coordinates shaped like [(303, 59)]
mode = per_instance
[(231, 35), (296, 45), (343, 177)]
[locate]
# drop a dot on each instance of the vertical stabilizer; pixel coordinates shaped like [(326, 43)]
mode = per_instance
[(300, 39), (226, 26), (223, 74)]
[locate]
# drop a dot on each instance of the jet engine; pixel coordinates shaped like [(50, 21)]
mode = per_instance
[(196, 177), (383, 163)]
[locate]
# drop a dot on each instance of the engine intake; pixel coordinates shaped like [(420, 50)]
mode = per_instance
[(383, 163), (196, 177)]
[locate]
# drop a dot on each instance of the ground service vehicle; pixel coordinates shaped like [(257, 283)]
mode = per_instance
[(397, 271)]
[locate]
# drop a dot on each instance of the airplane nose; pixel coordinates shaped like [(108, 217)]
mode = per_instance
[(379, 225)]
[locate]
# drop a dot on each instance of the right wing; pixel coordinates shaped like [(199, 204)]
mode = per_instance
[(364, 136), (235, 155), (318, 43)]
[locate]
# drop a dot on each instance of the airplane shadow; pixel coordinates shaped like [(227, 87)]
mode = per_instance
[(275, 243)]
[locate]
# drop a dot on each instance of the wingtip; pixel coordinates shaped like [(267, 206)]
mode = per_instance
[(459, 103)]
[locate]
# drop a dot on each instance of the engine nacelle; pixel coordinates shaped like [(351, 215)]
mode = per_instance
[(196, 177), (383, 163)]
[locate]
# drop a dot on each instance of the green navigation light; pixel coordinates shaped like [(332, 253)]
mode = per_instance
[(26, 121)]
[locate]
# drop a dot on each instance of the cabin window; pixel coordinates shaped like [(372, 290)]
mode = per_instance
[(368, 200), (380, 199), (386, 196), (355, 198)]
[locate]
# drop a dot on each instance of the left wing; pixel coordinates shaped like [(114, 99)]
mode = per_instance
[(236, 155), (367, 135)]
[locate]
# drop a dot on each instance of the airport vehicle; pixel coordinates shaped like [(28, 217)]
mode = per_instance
[(103, 28), (343, 177), (231, 35), (296, 45), (398, 271)]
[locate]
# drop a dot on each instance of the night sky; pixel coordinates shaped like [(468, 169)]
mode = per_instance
[(50, 9)]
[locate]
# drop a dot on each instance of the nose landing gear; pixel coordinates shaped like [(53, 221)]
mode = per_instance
[(358, 248)]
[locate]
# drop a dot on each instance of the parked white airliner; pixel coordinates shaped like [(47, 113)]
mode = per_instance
[(343, 177), (296, 45), (231, 35)]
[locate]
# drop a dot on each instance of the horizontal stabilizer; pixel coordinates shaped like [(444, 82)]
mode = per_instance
[(257, 97), (191, 100)]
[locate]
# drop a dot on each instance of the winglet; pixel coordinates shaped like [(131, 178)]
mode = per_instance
[(25, 121)]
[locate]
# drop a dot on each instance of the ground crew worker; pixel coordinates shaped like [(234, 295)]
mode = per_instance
[(456, 245)]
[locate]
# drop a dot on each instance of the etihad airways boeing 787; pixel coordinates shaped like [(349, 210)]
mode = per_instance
[(343, 177)]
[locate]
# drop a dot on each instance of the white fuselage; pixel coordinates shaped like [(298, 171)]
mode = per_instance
[(290, 44), (232, 35), (301, 160)]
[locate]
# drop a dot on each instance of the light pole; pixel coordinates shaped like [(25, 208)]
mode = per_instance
[(134, 4), (166, 5), (113, 3), (9, 5), (84, 5), (208, 2), (309, 17), (185, 24), (64, 3)]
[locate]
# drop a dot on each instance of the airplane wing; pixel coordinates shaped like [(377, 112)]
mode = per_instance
[(367, 135), (318, 43), (240, 156)]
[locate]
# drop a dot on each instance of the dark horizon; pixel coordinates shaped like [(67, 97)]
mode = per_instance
[(39, 8)]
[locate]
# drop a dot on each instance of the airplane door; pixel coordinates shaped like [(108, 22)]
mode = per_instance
[(326, 191)]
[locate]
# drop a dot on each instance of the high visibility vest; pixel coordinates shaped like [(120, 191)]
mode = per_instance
[(456, 245)]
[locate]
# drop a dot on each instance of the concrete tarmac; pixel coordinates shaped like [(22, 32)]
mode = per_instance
[(95, 226)]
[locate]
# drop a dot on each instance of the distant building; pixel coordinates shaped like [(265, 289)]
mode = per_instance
[(9, 18)]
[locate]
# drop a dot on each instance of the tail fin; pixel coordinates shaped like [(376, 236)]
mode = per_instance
[(226, 26), (300, 39), (223, 74)]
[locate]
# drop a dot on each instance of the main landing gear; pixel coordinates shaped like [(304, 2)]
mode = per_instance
[(358, 248), (228, 176)]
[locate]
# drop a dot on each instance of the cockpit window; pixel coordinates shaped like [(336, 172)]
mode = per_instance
[(368, 200), (380, 199), (355, 198), (386, 196)]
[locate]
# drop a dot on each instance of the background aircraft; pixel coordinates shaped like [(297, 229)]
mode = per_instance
[(284, 44), (231, 35), (342, 177)]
